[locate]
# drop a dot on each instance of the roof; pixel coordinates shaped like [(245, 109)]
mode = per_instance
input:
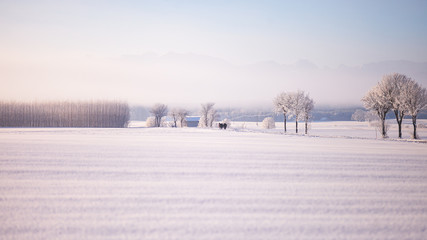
[(192, 119)]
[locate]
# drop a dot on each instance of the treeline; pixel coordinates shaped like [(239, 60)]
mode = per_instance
[(102, 114)]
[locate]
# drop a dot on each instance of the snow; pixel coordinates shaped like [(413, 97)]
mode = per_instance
[(190, 183), (341, 129)]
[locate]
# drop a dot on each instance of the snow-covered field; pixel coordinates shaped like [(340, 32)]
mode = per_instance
[(243, 183), (339, 129)]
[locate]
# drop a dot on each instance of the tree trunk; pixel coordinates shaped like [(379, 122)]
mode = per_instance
[(399, 119), (284, 122), (414, 123), (296, 126), (383, 130), (399, 125), (158, 121), (306, 126)]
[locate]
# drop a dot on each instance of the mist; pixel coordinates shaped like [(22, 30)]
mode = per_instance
[(236, 54), (187, 79)]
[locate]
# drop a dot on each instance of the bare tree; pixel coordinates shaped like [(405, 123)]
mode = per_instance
[(159, 110), (296, 103), (212, 116), (379, 100), (282, 105), (173, 113), (182, 114), (394, 83), (371, 116), (359, 115), (205, 113), (178, 115), (307, 107), (415, 100)]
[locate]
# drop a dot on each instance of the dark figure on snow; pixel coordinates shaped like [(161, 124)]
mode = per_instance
[(224, 125)]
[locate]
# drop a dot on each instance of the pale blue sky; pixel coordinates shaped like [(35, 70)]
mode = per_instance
[(325, 32), (53, 34)]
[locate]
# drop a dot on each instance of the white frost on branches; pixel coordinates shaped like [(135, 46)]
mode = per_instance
[(150, 122), (282, 105), (268, 123), (414, 100), (294, 104), (378, 100), (307, 107), (208, 115), (159, 110), (399, 93), (178, 115)]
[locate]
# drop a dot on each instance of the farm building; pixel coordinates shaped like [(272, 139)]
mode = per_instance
[(192, 121)]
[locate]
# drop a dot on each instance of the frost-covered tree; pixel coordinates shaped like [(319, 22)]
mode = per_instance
[(150, 122), (206, 114), (379, 99), (358, 115), (282, 105), (159, 110), (307, 107), (178, 115), (371, 116), (268, 123), (212, 116), (182, 114), (414, 100), (173, 113), (394, 83), (104, 114), (297, 105)]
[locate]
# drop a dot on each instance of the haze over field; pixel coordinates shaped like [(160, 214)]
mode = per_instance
[(186, 52)]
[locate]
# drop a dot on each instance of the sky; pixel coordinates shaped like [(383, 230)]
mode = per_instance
[(189, 52)]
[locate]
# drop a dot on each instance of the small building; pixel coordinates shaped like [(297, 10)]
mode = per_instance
[(192, 121)]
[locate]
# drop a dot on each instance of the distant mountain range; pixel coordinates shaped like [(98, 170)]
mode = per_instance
[(200, 78)]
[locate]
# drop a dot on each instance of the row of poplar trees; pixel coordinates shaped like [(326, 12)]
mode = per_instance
[(103, 114)]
